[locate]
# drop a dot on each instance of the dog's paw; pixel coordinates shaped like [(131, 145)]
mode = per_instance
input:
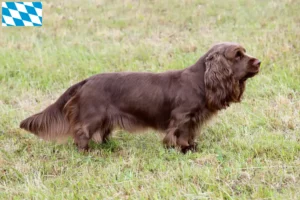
[(192, 148)]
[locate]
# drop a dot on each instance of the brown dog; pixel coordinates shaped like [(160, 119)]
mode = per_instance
[(176, 102)]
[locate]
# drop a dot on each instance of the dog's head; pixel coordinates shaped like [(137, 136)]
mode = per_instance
[(227, 69)]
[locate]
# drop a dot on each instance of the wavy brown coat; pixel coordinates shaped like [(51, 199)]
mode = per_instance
[(174, 102)]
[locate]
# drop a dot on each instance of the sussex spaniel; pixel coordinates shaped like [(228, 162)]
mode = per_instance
[(175, 102)]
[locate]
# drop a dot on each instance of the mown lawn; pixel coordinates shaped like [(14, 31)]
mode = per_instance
[(249, 151)]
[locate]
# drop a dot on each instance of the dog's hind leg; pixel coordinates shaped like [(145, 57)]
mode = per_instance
[(85, 133), (81, 138), (106, 135), (101, 136)]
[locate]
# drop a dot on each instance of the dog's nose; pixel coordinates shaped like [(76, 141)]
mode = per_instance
[(256, 63)]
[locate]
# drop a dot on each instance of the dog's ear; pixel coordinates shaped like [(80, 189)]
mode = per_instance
[(220, 86)]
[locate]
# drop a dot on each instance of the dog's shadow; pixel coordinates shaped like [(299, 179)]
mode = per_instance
[(109, 146)]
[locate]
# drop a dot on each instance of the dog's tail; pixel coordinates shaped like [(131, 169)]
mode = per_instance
[(52, 124)]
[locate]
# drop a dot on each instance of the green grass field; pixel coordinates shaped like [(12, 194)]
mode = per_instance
[(249, 151)]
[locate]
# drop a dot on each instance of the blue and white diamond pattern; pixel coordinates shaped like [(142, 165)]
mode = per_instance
[(22, 13)]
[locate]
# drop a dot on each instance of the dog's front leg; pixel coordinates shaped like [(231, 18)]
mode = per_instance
[(186, 138), (181, 133)]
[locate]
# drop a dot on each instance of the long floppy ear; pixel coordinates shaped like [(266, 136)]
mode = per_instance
[(220, 86), (242, 86)]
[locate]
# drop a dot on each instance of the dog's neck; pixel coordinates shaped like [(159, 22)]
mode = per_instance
[(194, 79), (199, 67), (198, 70)]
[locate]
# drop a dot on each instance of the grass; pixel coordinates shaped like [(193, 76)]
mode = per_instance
[(249, 151)]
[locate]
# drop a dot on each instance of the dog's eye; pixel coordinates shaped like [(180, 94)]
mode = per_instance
[(238, 55)]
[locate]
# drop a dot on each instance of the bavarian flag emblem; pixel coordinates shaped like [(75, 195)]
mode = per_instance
[(22, 13)]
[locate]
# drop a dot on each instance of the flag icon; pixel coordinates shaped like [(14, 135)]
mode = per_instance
[(22, 13)]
